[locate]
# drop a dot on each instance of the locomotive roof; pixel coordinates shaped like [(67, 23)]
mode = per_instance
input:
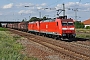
[(32, 22), (49, 20), (67, 19)]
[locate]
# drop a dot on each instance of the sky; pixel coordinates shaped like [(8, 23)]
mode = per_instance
[(15, 10)]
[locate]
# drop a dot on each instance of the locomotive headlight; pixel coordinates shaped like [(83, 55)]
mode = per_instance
[(64, 35), (74, 34), (71, 28), (64, 28)]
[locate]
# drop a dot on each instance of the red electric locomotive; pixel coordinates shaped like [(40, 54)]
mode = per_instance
[(56, 28), (60, 27)]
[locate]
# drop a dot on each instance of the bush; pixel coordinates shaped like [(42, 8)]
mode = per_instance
[(3, 29), (87, 27), (79, 24)]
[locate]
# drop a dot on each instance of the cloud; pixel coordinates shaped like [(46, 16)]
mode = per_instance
[(0, 13), (43, 4), (8, 6), (39, 8), (31, 8), (73, 5), (25, 4), (25, 11), (40, 5), (30, 5)]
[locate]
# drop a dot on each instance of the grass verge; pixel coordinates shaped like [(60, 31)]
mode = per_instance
[(83, 30), (3, 29), (10, 49), (83, 33), (83, 36)]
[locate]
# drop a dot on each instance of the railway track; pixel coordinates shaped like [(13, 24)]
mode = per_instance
[(71, 50), (81, 44), (87, 43)]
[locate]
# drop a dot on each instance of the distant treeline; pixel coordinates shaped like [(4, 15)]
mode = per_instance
[(79, 24)]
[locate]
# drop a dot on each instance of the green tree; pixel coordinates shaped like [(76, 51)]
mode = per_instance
[(82, 25), (78, 24), (44, 18), (34, 19), (87, 27), (38, 19), (23, 20)]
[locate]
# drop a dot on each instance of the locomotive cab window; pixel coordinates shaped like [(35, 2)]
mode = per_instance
[(70, 23), (64, 23), (57, 23)]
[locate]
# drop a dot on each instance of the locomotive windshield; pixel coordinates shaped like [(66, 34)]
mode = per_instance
[(64, 23), (67, 23), (70, 23)]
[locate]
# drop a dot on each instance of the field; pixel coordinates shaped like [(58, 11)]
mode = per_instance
[(13, 46), (50, 49), (3, 29), (83, 33), (9, 48)]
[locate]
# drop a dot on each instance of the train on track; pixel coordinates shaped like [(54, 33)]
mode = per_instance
[(59, 28)]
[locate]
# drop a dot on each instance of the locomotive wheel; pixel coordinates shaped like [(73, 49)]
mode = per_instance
[(53, 36), (43, 35), (61, 39), (50, 36)]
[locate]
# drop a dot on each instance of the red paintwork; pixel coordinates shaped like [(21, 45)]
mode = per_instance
[(51, 27), (59, 27), (43, 26), (37, 26), (68, 27), (33, 26), (30, 26)]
